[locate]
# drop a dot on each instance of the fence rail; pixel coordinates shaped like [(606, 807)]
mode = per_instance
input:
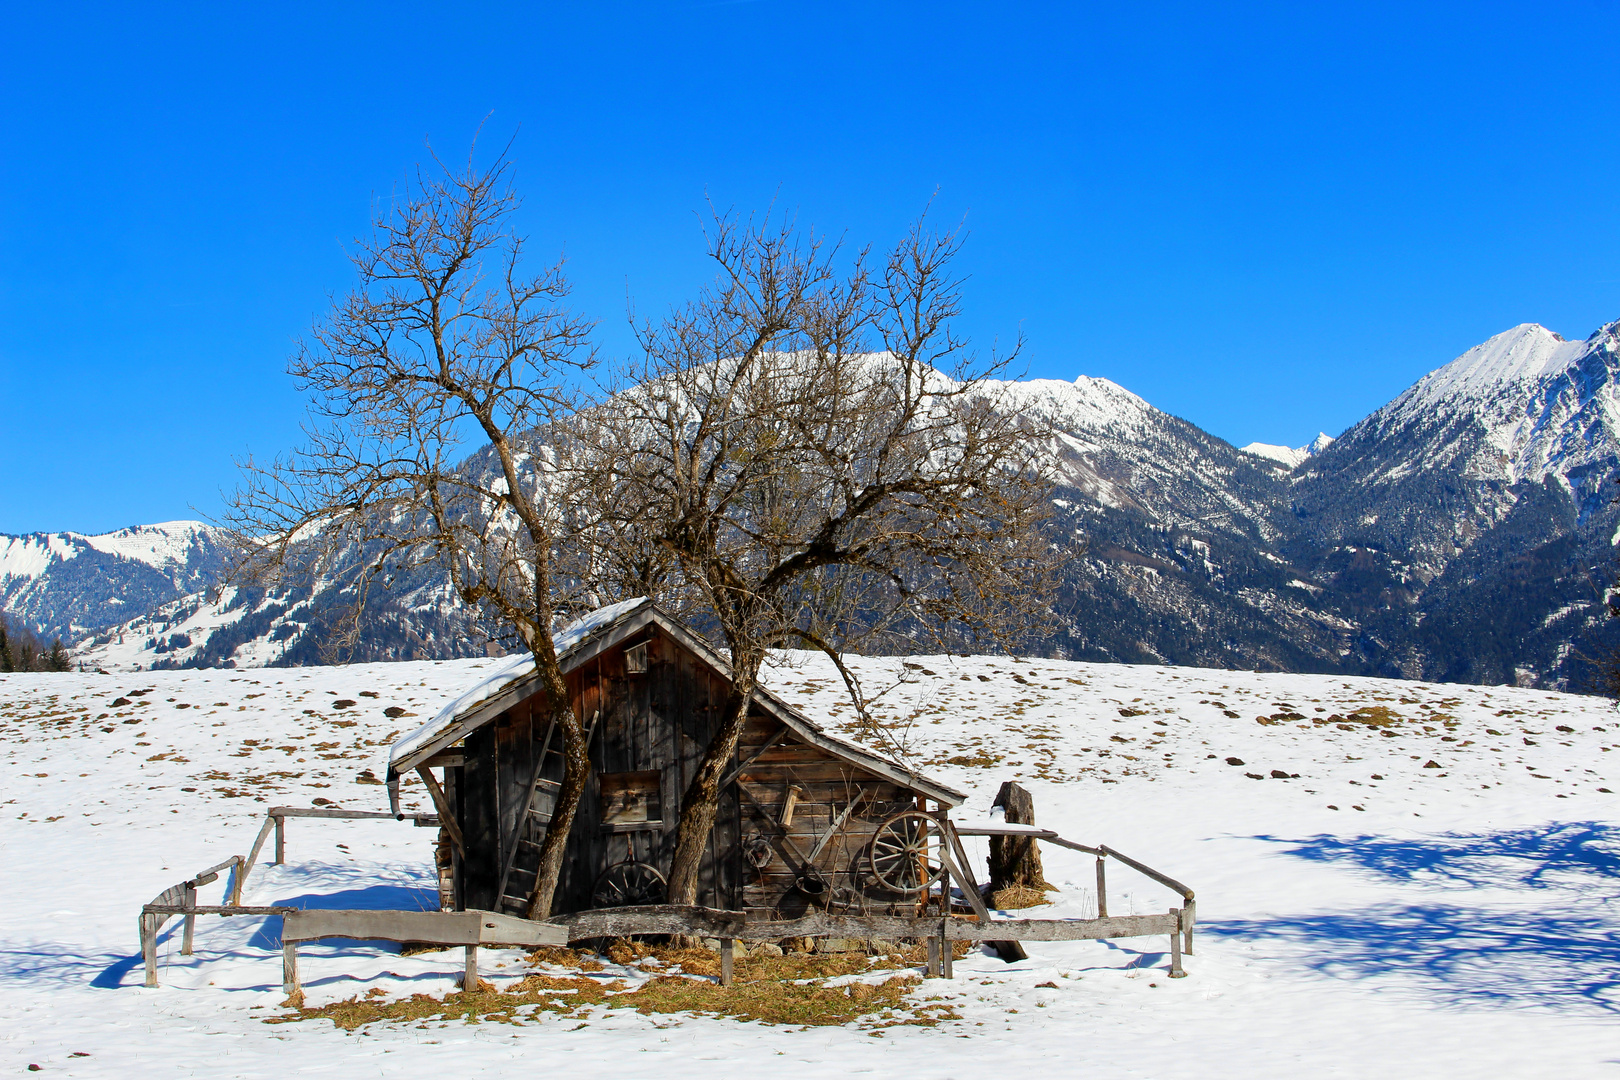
[(728, 926), (181, 899)]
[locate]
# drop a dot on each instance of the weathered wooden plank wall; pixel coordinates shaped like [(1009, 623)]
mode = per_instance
[(662, 719)]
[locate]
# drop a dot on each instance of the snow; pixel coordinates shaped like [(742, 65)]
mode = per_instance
[(1289, 455), (27, 557), (1456, 921), (1526, 354), (156, 545), (509, 672)]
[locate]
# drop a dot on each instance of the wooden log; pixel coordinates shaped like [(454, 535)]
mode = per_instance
[(1014, 859), (726, 950)]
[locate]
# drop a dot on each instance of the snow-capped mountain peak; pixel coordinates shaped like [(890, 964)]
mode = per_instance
[(1291, 456), (1520, 357)]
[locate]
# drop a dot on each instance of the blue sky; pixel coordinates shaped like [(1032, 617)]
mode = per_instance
[(1268, 220)]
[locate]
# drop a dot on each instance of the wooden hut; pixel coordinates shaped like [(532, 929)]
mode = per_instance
[(805, 821)]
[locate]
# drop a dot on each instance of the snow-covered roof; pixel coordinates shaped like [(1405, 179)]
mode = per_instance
[(513, 681), (508, 674)]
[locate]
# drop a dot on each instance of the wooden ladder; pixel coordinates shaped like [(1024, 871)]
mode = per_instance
[(517, 881)]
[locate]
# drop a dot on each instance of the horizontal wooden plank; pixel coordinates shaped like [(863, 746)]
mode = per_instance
[(434, 927), (709, 922), (652, 919), (212, 909), (321, 812)]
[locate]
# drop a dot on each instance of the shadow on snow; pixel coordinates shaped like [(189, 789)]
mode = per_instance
[(1566, 955), (1559, 855)]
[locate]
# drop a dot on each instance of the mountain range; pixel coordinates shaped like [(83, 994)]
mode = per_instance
[(1463, 532)]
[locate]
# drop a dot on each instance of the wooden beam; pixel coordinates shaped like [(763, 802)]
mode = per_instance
[(710, 922), (447, 818), (150, 923), (1163, 879), (433, 927), (212, 909), (190, 921), (1009, 951), (325, 812), (289, 966)]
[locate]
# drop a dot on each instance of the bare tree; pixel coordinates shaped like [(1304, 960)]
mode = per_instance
[(808, 455), (446, 347)]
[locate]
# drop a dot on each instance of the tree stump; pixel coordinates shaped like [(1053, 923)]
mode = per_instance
[(1015, 860)]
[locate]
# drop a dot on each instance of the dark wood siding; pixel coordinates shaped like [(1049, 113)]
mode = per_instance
[(660, 721)]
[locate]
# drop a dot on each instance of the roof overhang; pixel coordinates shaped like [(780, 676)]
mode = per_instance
[(423, 744)]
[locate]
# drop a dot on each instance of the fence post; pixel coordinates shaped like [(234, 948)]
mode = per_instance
[(726, 948), (281, 839), (1175, 945), (1189, 915), (1102, 890), (469, 977), (932, 967), (191, 922), (289, 967), (149, 932)]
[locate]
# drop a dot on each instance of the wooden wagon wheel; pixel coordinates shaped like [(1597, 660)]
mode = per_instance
[(628, 884), (898, 857)]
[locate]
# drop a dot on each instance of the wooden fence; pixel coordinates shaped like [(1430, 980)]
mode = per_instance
[(181, 899), (471, 929)]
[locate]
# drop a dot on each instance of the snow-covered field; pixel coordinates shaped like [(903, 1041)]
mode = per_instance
[(1374, 915)]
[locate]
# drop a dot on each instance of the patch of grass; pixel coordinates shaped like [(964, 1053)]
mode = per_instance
[(1014, 897), (790, 989)]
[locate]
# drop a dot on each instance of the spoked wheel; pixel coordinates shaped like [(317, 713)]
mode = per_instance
[(628, 884), (899, 855)]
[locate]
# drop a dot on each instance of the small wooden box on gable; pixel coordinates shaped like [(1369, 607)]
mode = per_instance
[(805, 821)]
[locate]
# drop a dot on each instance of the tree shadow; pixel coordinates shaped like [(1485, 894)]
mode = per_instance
[(1561, 960), (1560, 855), (1563, 954)]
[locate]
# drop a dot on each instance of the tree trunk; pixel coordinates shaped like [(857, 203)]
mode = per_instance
[(702, 798), (1015, 860), (576, 771)]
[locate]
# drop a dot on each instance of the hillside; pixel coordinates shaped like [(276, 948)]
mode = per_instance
[(1461, 533), (1371, 892)]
